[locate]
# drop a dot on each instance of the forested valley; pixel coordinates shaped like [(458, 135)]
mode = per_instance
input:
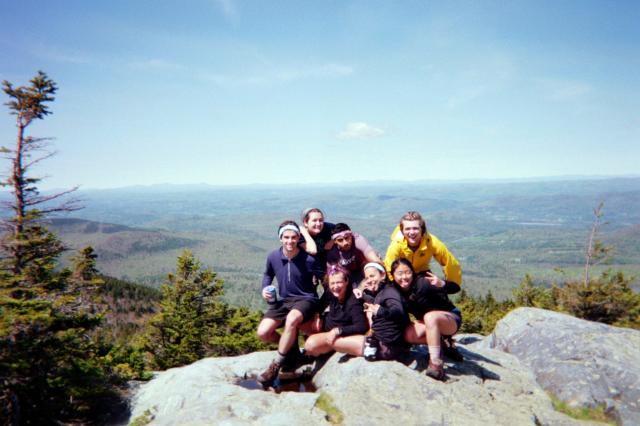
[(101, 287)]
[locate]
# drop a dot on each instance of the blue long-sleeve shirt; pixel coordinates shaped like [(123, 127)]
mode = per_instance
[(294, 276)]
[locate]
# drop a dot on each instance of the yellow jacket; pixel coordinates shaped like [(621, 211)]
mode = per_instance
[(430, 246)]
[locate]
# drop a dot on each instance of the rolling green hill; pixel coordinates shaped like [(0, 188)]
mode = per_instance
[(499, 231)]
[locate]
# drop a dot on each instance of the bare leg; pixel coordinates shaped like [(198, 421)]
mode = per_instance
[(267, 330), (320, 344), (312, 326), (352, 345), (317, 344), (290, 332), (415, 333), (438, 323)]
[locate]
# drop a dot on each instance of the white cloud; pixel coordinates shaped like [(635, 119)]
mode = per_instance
[(360, 130)]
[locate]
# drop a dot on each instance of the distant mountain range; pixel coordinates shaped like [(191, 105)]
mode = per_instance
[(499, 231)]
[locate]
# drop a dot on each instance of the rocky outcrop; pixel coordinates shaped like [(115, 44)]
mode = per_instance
[(583, 363), (489, 387)]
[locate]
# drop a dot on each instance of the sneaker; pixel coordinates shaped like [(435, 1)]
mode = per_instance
[(370, 348), (449, 349), (435, 371), (270, 374)]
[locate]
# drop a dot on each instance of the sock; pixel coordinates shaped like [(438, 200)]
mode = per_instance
[(434, 355)]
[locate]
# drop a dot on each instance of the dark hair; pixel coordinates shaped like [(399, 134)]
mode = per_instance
[(308, 211), (401, 261), (411, 215), (340, 227)]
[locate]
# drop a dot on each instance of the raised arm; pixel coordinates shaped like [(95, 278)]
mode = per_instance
[(309, 245)]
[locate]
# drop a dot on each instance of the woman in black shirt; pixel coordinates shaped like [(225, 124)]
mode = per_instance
[(345, 324), (427, 299)]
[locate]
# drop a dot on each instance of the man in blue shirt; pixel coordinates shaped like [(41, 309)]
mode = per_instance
[(294, 269)]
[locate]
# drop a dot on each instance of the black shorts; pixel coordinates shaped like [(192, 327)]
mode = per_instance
[(390, 352), (279, 310)]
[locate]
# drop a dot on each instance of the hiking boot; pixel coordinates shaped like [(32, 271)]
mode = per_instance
[(296, 359), (449, 349), (270, 374), (305, 359), (435, 371)]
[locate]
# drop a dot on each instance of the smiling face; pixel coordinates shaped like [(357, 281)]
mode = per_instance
[(289, 241), (372, 279), (314, 223), (338, 285), (403, 276), (412, 232)]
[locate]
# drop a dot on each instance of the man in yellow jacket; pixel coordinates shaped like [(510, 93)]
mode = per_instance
[(410, 240)]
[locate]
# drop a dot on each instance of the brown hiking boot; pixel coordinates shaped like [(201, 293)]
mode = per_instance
[(435, 371), (270, 374)]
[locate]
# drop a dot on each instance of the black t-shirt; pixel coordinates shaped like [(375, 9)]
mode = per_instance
[(348, 315), (392, 317), (423, 297), (321, 239)]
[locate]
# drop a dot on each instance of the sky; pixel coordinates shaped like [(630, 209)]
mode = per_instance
[(229, 92)]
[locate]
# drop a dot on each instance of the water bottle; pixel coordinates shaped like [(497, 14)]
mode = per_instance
[(273, 298)]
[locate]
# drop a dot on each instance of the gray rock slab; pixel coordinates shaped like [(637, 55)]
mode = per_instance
[(584, 363), (489, 387)]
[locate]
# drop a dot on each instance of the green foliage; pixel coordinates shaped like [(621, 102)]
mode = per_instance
[(193, 322), (607, 298), (50, 368), (326, 404), (143, 420), (530, 295), (84, 264), (481, 313), (238, 333), (29, 102), (597, 414)]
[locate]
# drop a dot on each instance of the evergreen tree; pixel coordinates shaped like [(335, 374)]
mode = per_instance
[(529, 294), (28, 248), (49, 369), (188, 309), (193, 322), (84, 264)]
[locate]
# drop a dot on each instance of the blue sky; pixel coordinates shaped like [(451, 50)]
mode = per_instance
[(239, 92)]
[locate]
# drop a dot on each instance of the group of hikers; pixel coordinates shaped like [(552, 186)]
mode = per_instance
[(366, 304)]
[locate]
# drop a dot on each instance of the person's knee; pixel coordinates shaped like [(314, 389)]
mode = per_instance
[(310, 346), (294, 319), (264, 332), (431, 320)]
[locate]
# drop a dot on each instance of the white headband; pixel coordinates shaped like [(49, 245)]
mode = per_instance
[(288, 227), (376, 265)]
